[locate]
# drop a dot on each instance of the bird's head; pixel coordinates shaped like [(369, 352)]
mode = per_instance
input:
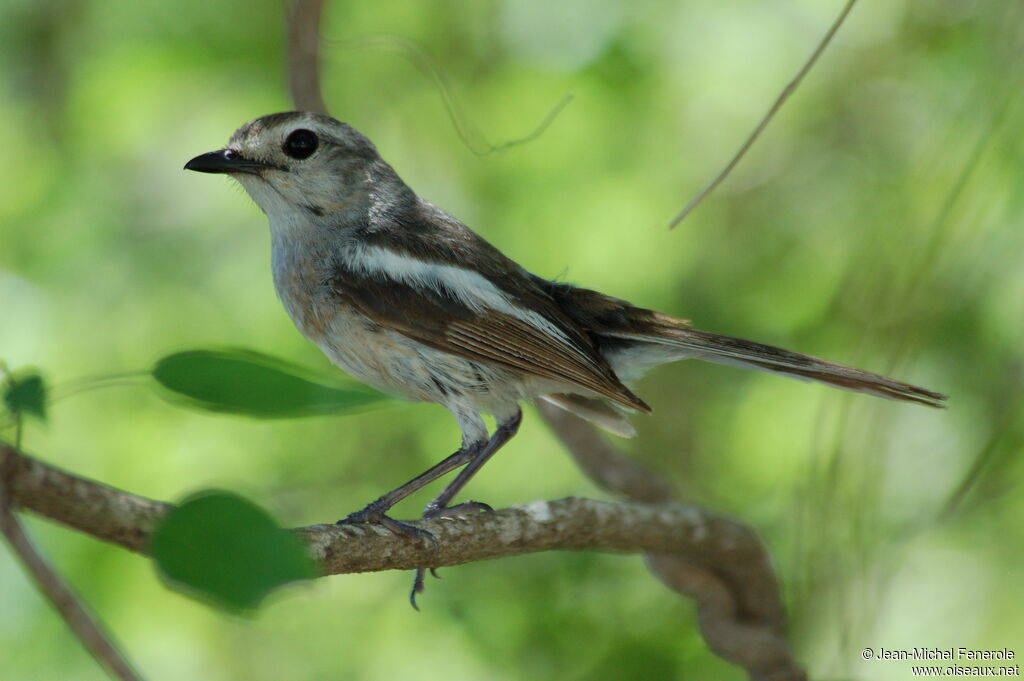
[(301, 164)]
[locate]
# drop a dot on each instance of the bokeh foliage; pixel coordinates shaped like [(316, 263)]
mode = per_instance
[(246, 383), (877, 223), (221, 547)]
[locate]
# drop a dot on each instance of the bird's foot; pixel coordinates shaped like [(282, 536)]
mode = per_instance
[(374, 514), (436, 511)]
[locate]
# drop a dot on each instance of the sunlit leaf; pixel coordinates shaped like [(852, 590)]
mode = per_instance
[(253, 384), (225, 548), (25, 394)]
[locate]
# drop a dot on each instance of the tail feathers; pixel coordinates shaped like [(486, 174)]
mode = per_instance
[(712, 347)]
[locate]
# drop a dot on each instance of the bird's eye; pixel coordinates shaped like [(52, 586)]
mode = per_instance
[(300, 144)]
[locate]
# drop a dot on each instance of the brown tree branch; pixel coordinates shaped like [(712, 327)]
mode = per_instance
[(304, 55), (779, 101), (719, 562), (86, 628), (91, 507), (128, 520), (739, 607)]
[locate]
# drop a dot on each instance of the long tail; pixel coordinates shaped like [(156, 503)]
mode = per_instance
[(677, 342), (639, 339)]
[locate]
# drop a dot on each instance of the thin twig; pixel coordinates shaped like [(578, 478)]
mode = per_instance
[(466, 129), (84, 626), (783, 96), (983, 460), (304, 81)]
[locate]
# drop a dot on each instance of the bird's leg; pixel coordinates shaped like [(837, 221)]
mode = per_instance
[(374, 512), (439, 506)]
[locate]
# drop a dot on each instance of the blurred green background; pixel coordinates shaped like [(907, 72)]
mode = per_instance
[(877, 222)]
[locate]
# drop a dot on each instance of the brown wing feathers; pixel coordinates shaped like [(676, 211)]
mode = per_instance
[(441, 321)]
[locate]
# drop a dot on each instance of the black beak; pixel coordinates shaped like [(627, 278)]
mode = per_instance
[(225, 161)]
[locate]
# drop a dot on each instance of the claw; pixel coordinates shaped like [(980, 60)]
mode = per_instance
[(417, 588)]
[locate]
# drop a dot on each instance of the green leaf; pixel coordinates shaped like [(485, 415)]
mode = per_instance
[(26, 394), (225, 548), (253, 384)]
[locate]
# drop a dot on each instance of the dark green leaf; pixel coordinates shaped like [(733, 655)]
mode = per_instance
[(253, 384), (26, 394), (225, 548)]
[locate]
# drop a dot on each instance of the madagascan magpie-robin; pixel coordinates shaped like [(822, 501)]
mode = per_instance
[(406, 298)]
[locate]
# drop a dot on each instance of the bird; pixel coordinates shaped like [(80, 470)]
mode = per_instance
[(407, 299)]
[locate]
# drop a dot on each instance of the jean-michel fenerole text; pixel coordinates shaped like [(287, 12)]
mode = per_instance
[(944, 654)]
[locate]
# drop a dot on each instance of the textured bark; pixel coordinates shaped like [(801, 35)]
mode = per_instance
[(94, 508), (128, 520)]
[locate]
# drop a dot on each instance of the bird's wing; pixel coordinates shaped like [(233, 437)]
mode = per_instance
[(462, 311)]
